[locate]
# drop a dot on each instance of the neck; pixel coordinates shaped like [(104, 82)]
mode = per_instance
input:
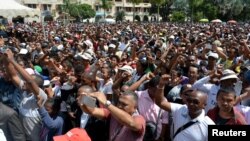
[(226, 114), (195, 115)]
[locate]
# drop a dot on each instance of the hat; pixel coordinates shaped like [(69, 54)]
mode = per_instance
[(23, 51), (86, 56), (112, 45), (127, 69), (22, 44), (217, 43), (171, 37), (46, 83), (213, 54), (57, 39), (75, 134), (228, 74), (38, 69)]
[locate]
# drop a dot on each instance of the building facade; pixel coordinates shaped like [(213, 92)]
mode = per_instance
[(141, 10), (44, 5)]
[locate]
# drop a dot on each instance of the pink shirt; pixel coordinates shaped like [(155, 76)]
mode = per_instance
[(150, 111), (123, 133)]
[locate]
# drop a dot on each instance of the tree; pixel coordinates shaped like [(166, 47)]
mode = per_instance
[(178, 16), (120, 15), (158, 3), (164, 10), (193, 4), (106, 4), (135, 2), (82, 11), (210, 11)]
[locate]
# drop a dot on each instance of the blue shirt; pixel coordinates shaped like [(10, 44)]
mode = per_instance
[(10, 94)]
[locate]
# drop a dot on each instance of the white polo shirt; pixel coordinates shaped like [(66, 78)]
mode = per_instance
[(195, 132), (245, 110), (211, 89)]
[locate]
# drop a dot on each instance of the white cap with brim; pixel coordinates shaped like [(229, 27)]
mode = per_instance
[(213, 54), (46, 83), (86, 56), (228, 74), (127, 69), (23, 51), (112, 45)]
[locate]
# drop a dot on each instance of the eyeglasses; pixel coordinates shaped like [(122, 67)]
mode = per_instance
[(194, 101)]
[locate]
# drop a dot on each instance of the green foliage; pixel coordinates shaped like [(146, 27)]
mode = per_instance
[(157, 2), (82, 11), (210, 11), (120, 15), (198, 16), (178, 16)]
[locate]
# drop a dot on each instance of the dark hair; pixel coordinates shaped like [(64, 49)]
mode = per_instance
[(154, 81), (56, 104), (228, 90), (116, 57), (38, 79)]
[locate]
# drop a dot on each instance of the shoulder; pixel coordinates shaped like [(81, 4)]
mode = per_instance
[(208, 121)]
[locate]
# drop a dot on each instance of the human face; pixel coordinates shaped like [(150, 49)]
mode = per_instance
[(48, 108), (226, 101), (193, 73), (195, 103), (105, 73), (127, 103)]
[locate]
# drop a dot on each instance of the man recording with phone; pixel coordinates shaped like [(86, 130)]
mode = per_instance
[(125, 121)]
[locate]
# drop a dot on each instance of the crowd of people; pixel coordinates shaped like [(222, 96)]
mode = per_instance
[(123, 81)]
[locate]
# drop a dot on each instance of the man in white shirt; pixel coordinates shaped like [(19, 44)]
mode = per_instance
[(228, 79), (31, 86), (193, 112)]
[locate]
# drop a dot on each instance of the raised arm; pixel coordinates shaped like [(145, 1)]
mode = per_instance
[(119, 114), (23, 73), (161, 101)]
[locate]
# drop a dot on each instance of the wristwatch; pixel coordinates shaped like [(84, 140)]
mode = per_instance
[(107, 103)]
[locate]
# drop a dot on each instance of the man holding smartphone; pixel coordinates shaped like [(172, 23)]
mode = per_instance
[(125, 121)]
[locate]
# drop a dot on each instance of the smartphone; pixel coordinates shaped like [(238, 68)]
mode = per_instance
[(89, 101)]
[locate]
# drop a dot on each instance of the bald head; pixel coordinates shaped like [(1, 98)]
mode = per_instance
[(85, 89)]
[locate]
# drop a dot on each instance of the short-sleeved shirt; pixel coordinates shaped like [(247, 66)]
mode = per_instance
[(107, 87), (197, 131), (150, 111), (122, 133), (29, 114)]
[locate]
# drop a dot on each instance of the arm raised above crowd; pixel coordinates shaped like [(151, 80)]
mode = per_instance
[(23, 73), (161, 101)]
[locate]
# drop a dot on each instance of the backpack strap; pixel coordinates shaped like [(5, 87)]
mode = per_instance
[(184, 127)]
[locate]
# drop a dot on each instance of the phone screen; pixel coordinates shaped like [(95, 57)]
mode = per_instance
[(89, 101)]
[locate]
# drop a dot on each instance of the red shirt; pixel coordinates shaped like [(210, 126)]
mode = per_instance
[(238, 118)]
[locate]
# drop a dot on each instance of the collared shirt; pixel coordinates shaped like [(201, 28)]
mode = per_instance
[(150, 111), (212, 90), (200, 128)]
